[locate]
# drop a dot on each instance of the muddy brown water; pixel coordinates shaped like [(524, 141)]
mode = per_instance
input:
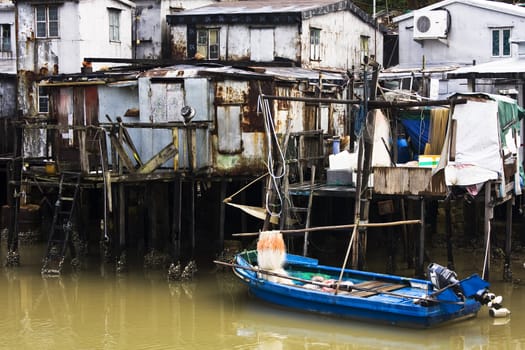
[(99, 309)]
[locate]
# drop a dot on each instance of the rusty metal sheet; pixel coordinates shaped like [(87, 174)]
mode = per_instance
[(229, 129)]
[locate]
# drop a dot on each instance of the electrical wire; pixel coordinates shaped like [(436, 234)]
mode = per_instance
[(271, 138)]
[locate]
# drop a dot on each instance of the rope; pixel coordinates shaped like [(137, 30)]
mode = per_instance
[(228, 199), (421, 130), (487, 249)]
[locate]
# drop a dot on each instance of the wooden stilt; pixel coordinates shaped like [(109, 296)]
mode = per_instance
[(486, 237), (13, 198), (222, 215), (122, 262), (309, 211), (176, 220), (507, 269), (449, 228), (420, 272), (192, 216)]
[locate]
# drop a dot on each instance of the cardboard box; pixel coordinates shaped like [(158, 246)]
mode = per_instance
[(428, 161)]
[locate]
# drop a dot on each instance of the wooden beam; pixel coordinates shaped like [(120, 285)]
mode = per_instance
[(160, 158)]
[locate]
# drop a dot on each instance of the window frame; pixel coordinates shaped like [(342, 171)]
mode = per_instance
[(315, 44), (43, 100), (50, 21), (500, 48), (114, 24), (5, 37), (204, 44)]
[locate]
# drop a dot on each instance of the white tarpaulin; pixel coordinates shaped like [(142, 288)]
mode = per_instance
[(477, 156)]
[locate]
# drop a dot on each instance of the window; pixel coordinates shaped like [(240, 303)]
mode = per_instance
[(5, 37), (114, 24), (501, 42), (43, 99), (315, 44), (208, 43), (364, 40), (46, 21)]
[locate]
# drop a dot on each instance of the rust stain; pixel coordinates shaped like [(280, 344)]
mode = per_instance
[(251, 120), (239, 57), (178, 50)]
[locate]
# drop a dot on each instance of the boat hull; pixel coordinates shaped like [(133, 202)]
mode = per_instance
[(401, 307)]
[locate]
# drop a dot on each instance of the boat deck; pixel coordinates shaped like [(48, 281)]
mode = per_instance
[(373, 288)]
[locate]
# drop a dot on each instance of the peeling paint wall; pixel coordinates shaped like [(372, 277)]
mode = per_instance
[(36, 54), (341, 34), (179, 49), (83, 32), (152, 37), (149, 31), (7, 97), (236, 42)]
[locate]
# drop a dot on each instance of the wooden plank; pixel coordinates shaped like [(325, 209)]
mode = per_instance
[(407, 181), (376, 287), (160, 158)]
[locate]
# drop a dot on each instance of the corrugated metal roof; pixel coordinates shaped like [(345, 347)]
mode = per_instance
[(400, 71), (182, 71), (503, 67), (296, 73), (254, 6)]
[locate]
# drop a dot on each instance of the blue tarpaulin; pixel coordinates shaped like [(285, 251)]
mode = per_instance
[(417, 125)]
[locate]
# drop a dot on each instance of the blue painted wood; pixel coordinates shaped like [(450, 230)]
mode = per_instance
[(402, 306)]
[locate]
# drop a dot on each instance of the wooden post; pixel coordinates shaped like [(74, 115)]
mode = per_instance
[(507, 269), (222, 215), (13, 201), (309, 211), (420, 272), (192, 216), (122, 262), (176, 227), (449, 228)]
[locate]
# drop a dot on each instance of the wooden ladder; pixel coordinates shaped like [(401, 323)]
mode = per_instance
[(60, 236), (306, 152)]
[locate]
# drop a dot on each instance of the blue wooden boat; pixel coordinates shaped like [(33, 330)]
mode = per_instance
[(303, 284)]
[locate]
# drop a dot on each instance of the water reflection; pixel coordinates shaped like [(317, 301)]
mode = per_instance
[(270, 332), (100, 309)]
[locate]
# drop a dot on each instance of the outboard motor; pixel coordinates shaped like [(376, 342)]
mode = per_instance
[(440, 276)]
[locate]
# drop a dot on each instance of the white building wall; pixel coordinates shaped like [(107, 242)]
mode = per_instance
[(94, 31), (340, 40), (287, 43), (237, 45), (35, 54), (83, 32), (469, 37)]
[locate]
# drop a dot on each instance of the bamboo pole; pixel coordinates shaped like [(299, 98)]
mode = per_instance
[(336, 227)]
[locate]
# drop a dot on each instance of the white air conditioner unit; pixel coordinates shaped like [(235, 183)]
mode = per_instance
[(431, 24)]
